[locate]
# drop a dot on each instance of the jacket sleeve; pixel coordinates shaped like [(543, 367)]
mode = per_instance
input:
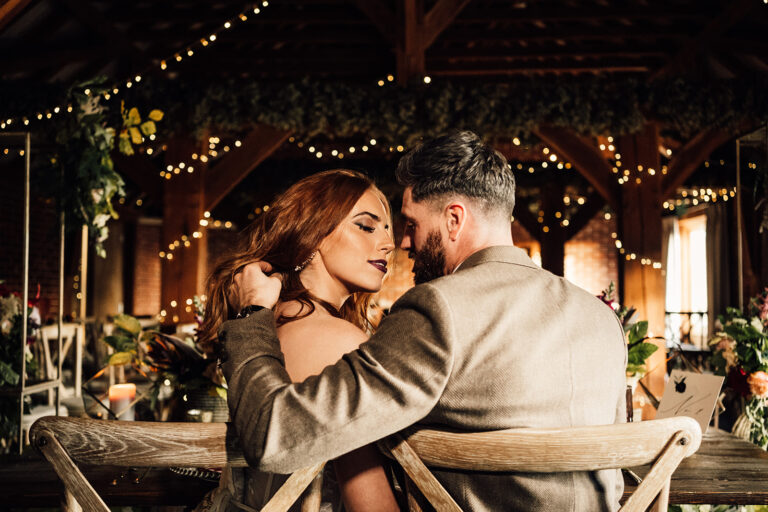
[(392, 381)]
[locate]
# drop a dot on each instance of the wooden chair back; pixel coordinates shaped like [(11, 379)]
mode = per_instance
[(64, 441), (662, 443)]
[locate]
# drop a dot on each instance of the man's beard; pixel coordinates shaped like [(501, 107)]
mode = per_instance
[(429, 262)]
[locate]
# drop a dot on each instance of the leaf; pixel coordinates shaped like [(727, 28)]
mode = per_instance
[(156, 115), (120, 358), (638, 332), (7, 375), (133, 117), (124, 145), (128, 323), (136, 137), (120, 342), (148, 128), (640, 352)]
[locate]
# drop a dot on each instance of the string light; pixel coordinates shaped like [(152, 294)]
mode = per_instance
[(631, 256), (185, 241), (56, 109), (694, 197)]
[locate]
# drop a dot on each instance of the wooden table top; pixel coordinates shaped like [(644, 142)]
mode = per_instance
[(725, 470)]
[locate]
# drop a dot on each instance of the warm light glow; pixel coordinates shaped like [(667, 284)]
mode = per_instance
[(122, 391)]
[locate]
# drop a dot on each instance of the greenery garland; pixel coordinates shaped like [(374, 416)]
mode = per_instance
[(392, 114)]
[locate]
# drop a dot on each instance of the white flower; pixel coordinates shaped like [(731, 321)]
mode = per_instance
[(9, 307), (97, 194), (757, 324), (101, 219)]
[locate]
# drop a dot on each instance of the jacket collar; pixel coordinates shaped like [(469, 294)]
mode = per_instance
[(498, 253)]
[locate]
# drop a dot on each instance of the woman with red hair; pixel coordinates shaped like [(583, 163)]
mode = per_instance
[(329, 236)]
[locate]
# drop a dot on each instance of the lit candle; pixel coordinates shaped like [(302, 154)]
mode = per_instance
[(120, 398)]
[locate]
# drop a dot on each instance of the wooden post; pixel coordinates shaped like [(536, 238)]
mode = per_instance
[(183, 207), (640, 231)]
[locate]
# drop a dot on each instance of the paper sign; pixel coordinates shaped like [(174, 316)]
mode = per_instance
[(690, 394)]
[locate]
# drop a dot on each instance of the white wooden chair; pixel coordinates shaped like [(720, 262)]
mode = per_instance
[(71, 335), (662, 443), (65, 441)]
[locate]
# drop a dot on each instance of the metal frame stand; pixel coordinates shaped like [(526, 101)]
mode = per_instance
[(55, 384)]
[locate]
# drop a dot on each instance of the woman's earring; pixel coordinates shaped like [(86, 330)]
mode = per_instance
[(299, 268)]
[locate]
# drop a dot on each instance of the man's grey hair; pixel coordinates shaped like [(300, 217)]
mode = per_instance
[(459, 164)]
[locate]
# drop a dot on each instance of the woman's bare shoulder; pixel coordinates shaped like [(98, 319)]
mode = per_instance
[(316, 341)]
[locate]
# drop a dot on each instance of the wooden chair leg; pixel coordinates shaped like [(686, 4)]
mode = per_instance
[(292, 489), (418, 472), (657, 479), (662, 500), (313, 497), (70, 474)]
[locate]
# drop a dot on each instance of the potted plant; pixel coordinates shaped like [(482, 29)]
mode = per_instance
[(740, 353)]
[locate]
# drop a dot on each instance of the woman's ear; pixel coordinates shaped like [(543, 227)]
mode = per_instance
[(455, 219)]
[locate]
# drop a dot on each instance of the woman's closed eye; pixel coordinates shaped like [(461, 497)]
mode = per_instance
[(363, 227)]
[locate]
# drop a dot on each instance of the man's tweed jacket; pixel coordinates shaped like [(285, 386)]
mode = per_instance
[(498, 344)]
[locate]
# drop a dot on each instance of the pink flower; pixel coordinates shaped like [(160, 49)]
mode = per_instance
[(758, 384)]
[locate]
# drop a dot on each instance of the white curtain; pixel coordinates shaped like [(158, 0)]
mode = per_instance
[(672, 265)]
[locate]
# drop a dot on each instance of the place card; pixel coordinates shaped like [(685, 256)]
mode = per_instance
[(690, 394)]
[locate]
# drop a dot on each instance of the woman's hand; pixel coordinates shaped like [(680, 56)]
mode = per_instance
[(256, 285)]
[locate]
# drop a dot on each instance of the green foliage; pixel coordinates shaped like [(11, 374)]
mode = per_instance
[(740, 351), (638, 351), (402, 115)]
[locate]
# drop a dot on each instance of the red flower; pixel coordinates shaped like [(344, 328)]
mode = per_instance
[(737, 380)]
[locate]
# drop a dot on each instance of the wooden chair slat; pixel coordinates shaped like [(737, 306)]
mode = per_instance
[(552, 450), (145, 444), (664, 443)]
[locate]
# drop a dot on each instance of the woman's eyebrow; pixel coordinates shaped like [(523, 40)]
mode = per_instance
[(371, 215)]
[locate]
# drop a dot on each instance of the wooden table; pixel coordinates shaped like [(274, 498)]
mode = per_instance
[(725, 470)]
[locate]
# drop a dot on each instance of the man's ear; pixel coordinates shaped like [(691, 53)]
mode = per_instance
[(455, 218)]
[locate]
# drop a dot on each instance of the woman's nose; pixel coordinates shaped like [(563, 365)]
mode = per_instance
[(387, 245)]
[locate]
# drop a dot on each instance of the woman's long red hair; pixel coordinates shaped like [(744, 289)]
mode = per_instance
[(286, 236)]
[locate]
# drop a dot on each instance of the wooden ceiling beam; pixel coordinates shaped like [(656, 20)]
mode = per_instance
[(382, 18), (484, 55), (585, 157), (685, 161), (93, 20), (512, 15), (9, 10), (734, 12), (233, 168), (527, 220), (440, 17), (553, 68), (593, 204)]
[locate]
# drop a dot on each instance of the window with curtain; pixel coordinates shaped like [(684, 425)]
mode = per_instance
[(686, 280)]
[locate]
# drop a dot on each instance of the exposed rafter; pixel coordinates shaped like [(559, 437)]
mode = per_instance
[(690, 157), (735, 11), (585, 157), (9, 9), (257, 146)]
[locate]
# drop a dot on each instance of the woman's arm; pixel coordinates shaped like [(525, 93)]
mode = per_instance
[(309, 345)]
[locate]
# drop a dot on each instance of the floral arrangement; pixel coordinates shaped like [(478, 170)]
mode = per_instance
[(166, 360), (740, 353), (84, 143), (11, 318), (638, 350)]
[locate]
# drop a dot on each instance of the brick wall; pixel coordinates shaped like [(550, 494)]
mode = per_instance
[(590, 257), (43, 240)]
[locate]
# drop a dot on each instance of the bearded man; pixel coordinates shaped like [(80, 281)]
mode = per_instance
[(486, 340)]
